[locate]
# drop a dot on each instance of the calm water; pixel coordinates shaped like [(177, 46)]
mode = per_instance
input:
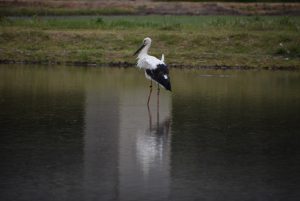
[(86, 134)]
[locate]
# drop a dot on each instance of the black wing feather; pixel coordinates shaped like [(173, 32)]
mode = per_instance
[(160, 75)]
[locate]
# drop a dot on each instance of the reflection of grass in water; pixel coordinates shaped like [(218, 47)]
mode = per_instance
[(191, 40), (234, 83)]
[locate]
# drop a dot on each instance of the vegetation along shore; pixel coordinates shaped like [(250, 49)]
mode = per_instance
[(199, 41), (190, 34)]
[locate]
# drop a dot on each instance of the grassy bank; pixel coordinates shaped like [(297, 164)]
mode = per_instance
[(185, 40)]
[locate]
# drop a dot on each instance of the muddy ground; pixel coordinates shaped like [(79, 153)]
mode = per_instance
[(145, 7)]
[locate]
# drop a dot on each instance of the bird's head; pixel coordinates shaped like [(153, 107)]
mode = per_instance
[(146, 42)]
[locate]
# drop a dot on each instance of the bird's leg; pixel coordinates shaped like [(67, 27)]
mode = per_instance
[(158, 90), (149, 93), (150, 118)]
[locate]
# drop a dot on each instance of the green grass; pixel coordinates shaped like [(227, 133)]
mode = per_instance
[(185, 40), (168, 23)]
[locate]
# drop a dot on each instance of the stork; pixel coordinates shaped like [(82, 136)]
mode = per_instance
[(155, 69)]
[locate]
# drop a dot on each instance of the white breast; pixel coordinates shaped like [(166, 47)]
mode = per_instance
[(148, 62)]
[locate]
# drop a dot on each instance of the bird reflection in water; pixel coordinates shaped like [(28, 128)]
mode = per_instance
[(152, 146)]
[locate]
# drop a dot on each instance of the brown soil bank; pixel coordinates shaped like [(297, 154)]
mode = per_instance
[(152, 7)]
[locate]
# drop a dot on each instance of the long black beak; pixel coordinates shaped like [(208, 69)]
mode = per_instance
[(140, 48)]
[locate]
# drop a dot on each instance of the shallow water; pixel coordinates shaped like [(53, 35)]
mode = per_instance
[(86, 134)]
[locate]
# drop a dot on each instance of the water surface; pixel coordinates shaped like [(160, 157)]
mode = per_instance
[(71, 133)]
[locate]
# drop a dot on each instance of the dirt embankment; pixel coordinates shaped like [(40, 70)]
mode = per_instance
[(172, 8)]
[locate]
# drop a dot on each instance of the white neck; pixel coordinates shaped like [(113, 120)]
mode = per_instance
[(144, 51)]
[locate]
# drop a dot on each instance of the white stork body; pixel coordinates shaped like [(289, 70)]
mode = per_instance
[(155, 69), (149, 62)]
